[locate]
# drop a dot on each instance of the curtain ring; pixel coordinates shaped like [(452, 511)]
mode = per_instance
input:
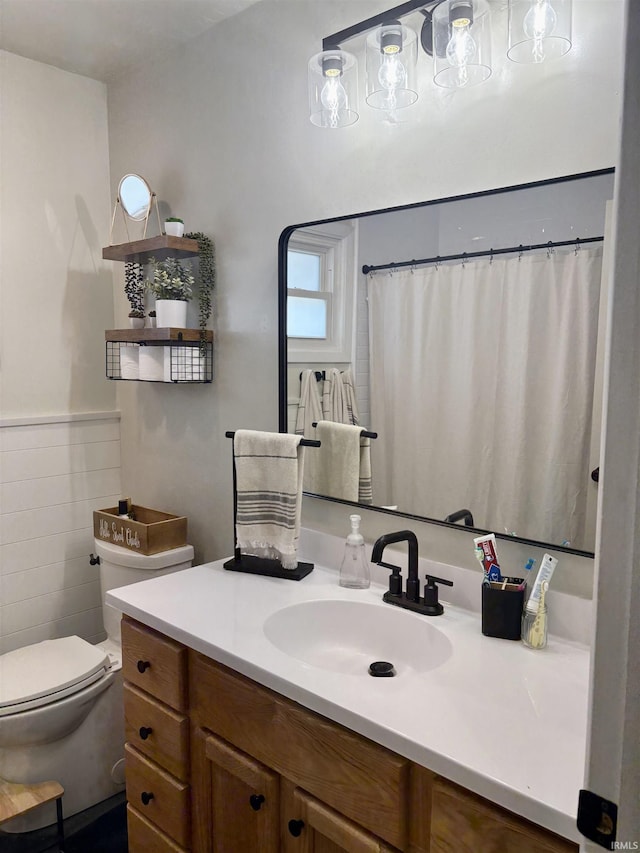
[(490, 256), (464, 259), (521, 252), (550, 249), (577, 249), (438, 262)]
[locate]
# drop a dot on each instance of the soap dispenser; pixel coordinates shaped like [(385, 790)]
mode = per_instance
[(354, 571)]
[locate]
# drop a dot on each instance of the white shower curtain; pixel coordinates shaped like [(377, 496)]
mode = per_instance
[(481, 387)]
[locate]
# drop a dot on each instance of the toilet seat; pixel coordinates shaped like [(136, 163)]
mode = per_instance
[(42, 673)]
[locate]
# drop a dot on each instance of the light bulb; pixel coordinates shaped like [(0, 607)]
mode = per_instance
[(392, 76), (539, 23), (333, 97), (461, 49)]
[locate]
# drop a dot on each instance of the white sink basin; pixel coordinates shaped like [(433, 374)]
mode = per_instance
[(347, 636)]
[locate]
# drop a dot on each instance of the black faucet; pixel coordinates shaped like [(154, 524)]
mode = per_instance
[(411, 598)]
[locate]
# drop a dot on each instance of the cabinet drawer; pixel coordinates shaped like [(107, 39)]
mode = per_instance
[(158, 796), (144, 837), (362, 780), (157, 731), (154, 663)]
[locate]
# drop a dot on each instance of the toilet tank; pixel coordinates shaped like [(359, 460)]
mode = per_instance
[(121, 567)]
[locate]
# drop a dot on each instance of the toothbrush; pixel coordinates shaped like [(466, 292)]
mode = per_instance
[(528, 567), (537, 631)]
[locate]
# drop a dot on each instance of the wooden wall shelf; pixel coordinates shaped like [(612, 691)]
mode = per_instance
[(161, 247), (157, 336)]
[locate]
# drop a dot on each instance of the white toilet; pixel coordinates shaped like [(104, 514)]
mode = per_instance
[(61, 711)]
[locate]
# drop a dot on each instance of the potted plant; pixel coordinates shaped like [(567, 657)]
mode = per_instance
[(136, 318), (174, 226), (172, 285), (151, 320), (134, 288), (205, 283)]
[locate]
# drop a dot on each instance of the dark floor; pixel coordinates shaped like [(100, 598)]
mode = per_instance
[(101, 829)]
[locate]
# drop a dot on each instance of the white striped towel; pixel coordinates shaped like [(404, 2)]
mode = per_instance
[(269, 470), (339, 398), (309, 412), (309, 406), (344, 469)]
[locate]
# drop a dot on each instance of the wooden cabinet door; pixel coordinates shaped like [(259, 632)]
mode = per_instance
[(320, 829), (245, 801), (463, 822)]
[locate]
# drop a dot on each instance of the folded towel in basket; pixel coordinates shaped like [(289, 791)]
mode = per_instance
[(269, 471)]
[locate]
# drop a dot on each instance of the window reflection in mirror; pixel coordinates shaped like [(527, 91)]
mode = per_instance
[(456, 429)]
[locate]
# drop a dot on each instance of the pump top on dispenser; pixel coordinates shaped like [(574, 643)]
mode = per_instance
[(354, 571)]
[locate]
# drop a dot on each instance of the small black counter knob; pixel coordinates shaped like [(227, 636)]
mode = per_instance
[(146, 797), (255, 801), (143, 664), (145, 731), (296, 827), (93, 560)]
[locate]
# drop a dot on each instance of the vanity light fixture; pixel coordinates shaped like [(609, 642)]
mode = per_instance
[(539, 30), (455, 33)]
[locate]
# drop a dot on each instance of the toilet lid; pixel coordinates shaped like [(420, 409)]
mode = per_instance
[(44, 672)]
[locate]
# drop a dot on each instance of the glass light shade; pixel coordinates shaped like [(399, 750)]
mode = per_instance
[(392, 52), (461, 43), (333, 89), (539, 30)]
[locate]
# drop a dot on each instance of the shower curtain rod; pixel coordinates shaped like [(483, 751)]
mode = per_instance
[(366, 269)]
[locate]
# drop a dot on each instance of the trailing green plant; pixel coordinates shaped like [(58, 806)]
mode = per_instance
[(134, 286), (172, 279), (206, 281)]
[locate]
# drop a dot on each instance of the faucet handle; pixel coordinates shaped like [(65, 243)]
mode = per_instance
[(431, 603), (395, 581)]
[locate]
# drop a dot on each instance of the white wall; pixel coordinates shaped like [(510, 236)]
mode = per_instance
[(56, 292), (220, 130), (56, 300)]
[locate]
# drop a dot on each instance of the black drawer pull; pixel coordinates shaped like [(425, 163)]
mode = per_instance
[(255, 801), (145, 731), (143, 664), (296, 827), (146, 797)]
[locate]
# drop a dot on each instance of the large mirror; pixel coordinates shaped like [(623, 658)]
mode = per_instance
[(465, 337)]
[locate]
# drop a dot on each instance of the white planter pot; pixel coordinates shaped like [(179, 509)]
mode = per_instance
[(171, 313), (174, 229)]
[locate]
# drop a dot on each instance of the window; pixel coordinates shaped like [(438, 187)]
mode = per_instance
[(320, 293)]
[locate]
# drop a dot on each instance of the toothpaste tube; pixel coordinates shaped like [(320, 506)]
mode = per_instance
[(486, 546)]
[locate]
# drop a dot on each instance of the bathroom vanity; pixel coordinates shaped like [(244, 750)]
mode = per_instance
[(245, 736)]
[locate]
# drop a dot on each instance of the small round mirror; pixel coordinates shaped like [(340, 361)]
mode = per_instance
[(135, 197)]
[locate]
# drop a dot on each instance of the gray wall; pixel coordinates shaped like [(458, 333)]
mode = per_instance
[(220, 131)]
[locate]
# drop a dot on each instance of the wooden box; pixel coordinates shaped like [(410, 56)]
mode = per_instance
[(151, 532)]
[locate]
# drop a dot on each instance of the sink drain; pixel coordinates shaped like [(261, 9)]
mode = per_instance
[(381, 669)]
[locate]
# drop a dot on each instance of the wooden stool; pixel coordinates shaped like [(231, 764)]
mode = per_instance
[(17, 799)]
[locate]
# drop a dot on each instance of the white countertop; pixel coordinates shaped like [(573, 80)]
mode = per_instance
[(502, 720)]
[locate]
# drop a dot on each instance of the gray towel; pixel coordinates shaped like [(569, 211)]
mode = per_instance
[(269, 470)]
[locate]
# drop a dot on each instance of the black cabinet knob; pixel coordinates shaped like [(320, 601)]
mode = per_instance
[(255, 801), (145, 731), (93, 560), (146, 797), (143, 664), (296, 827)]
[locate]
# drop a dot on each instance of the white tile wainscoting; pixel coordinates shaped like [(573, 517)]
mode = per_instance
[(54, 471)]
